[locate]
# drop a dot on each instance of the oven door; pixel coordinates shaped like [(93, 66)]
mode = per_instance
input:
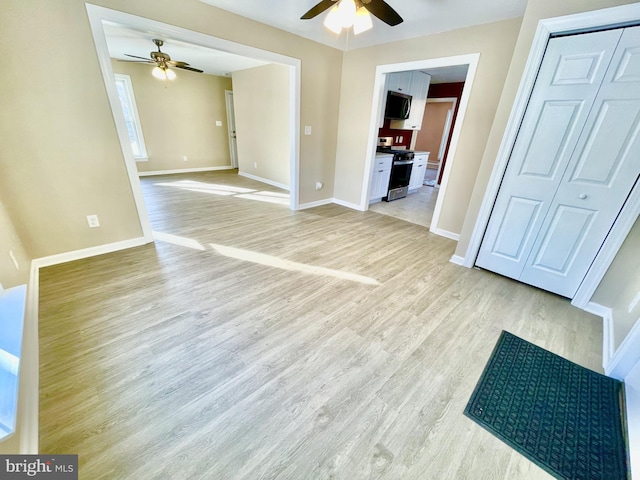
[(400, 174)]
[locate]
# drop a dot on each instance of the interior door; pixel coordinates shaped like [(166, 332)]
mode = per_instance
[(231, 125), (576, 158)]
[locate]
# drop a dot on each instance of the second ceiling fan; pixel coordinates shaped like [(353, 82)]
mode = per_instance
[(162, 63)]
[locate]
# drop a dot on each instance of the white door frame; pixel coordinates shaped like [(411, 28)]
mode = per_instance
[(97, 15), (231, 128), (376, 115), (581, 22)]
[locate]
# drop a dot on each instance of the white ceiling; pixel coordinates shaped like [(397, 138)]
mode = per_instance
[(421, 17), (121, 40)]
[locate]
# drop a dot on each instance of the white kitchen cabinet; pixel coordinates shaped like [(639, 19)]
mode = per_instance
[(400, 82), (418, 89), (380, 177), (418, 171)]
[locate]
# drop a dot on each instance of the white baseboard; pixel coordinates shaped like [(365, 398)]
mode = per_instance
[(458, 260), (445, 233), (89, 252), (353, 206), (626, 356), (608, 345), (265, 180), (317, 203), (184, 170)]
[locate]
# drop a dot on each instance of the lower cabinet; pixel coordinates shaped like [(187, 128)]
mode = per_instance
[(418, 171), (380, 177)]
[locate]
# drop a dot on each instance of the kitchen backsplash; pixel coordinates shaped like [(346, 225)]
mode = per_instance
[(401, 138)]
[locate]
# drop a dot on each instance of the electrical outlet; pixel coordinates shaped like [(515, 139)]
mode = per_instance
[(318, 185), (307, 130), (93, 221), (184, 158), (255, 164), (14, 260), (218, 123)]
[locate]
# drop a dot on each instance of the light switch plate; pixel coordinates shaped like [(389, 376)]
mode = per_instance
[(307, 130)]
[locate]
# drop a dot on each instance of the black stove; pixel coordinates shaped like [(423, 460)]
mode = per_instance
[(400, 172)]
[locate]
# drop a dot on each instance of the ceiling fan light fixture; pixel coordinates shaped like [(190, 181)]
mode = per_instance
[(362, 21), (159, 73), (333, 21), (347, 11), (163, 73)]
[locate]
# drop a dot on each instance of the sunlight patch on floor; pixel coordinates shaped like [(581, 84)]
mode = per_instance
[(228, 190), (215, 187), (269, 197), (177, 240), (276, 262)]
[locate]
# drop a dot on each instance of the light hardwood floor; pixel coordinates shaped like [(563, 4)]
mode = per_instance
[(321, 344)]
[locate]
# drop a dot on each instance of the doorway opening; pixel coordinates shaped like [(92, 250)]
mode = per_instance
[(99, 16), (463, 68)]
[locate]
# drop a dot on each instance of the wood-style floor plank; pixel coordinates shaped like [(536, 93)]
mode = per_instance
[(253, 342)]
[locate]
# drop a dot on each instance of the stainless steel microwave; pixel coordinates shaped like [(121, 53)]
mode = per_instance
[(398, 106)]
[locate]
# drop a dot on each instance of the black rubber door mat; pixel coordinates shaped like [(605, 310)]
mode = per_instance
[(565, 418)]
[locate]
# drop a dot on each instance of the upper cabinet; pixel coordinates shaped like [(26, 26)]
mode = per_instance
[(415, 84), (400, 82)]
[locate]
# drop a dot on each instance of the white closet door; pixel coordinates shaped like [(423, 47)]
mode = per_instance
[(598, 179), (566, 87), (575, 160)]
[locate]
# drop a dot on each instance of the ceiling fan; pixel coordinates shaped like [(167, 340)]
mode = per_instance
[(350, 10), (162, 62)]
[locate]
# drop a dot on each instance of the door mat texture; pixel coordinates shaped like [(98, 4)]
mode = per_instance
[(563, 417)]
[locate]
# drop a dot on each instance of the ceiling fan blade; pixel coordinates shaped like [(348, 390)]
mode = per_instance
[(383, 11), (141, 58), (136, 61), (185, 67), (176, 63), (318, 9)]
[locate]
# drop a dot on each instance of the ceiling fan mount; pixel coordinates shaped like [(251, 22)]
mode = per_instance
[(378, 8), (161, 59)]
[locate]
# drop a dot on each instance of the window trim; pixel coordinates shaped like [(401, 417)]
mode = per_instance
[(128, 85)]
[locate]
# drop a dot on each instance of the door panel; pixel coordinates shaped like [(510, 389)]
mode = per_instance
[(517, 223), (563, 239), (566, 88), (609, 141), (554, 128)]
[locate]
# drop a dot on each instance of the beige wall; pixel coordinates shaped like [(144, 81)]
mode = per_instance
[(621, 284), (262, 107), (10, 242), (536, 11), (60, 157), (495, 44), (178, 118)]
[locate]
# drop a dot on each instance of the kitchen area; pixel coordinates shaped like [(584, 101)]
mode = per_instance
[(405, 176)]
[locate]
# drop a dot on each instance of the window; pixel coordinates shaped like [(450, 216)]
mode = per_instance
[(130, 111)]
